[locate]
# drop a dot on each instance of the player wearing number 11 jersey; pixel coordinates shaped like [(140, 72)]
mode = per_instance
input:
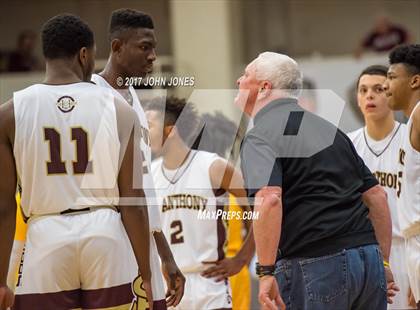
[(72, 145)]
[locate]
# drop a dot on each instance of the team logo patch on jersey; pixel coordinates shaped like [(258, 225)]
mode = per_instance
[(66, 104)]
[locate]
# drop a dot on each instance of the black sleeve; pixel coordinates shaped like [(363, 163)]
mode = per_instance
[(259, 165), (368, 178)]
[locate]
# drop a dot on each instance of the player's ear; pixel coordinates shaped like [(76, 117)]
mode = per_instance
[(415, 81), (83, 56), (116, 45)]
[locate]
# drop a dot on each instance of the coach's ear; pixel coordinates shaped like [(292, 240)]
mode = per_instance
[(265, 90), (415, 81)]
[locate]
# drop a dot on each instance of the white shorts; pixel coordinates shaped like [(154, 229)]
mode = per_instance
[(204, 294), (14, 263), (398, 266), (412, 252), (79, 260)]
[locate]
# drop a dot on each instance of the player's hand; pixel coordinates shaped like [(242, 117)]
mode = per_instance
[(391, 287), (222, 269), (269, 294), (411, 299), (147, 285), (175, 281), (7, 297)]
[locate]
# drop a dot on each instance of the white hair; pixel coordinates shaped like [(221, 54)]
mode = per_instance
[(281, 70)]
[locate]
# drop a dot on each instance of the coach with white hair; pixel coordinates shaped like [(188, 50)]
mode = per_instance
[(321, 211)]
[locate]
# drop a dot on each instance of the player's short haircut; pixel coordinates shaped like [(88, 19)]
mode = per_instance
[(220, 133), (125, 19), (64, 35), (409, 55), (373, 70), (172, 107), (281, 70)]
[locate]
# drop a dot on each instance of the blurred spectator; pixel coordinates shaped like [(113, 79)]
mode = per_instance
[(23, 59), (383, 37)]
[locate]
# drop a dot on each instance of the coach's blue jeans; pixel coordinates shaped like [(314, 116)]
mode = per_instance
[(350, 279)]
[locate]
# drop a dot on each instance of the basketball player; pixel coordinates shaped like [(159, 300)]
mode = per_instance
[(378, 145), (189, 182), (402, 87), (64, 141), (132, 54)]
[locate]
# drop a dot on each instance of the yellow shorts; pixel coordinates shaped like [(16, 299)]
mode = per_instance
[(20, 232)]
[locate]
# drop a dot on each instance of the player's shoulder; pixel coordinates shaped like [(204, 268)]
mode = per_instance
[(401, 128), (416, 115), (356, 134), (30, 90), (203, 155), (6, 116), (6, 111), (156, 163), (92, 86), (125, 113), (98, 80)]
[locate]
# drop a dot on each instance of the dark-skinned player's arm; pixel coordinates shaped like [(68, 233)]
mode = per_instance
[(175, 280), (7, 199), (132, 206), (223, 175)]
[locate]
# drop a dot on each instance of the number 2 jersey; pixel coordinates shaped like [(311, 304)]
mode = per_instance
[(66, 147), (183, 194)]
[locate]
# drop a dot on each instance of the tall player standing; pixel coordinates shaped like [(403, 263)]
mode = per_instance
[(132, 54), (64, 141), (402, 87), (378, 144), (187, 182)]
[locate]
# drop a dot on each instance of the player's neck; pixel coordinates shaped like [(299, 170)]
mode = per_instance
[(59, 72), (175, 155), (111, 74), (380, 129)]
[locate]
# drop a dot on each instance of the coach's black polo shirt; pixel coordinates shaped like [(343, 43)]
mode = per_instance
[(321, 176)]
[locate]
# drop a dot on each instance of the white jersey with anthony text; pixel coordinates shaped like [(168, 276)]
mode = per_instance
[(184, 193), (380, 157)]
